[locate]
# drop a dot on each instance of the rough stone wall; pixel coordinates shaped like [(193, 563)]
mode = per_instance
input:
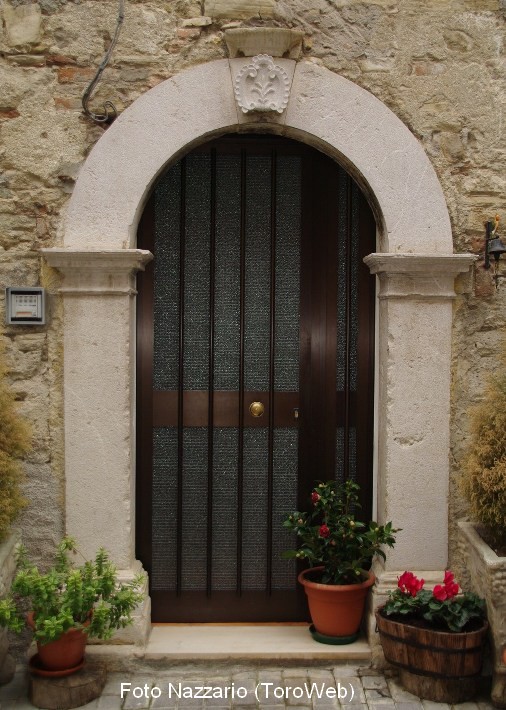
[(439, 65)]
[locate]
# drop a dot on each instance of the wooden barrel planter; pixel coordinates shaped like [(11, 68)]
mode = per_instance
[(436, 665)]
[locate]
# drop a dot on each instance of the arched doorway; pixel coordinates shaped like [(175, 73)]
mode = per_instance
[(415, 264), (257, 294)]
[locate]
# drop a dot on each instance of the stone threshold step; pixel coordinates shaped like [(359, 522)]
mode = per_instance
[(178, 644)]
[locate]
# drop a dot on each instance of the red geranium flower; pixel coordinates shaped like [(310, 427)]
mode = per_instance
[(315, 497), (440, 593), (409, 584), (451, 587), (449, 577), (324, 531)]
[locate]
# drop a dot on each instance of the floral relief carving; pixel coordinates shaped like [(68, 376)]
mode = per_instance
[(262, 85)]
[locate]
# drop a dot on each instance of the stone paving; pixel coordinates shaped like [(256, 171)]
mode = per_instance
[(270, 688)]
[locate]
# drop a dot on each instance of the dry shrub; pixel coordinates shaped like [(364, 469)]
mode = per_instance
[(484, 480), (14, 443)]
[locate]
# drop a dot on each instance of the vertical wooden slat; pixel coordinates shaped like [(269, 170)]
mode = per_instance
[(272, 331), (328, 248), (240, 453), (180, 431), (144, 442), (210, 402), (347, 319), (365, 360)]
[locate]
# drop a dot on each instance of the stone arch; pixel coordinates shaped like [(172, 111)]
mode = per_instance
[(324, 110)]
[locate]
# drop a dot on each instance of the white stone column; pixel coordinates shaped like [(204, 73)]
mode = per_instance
[(413, 413), (99, 392)]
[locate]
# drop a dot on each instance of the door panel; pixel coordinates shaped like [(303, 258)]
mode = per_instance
[(257, 292)]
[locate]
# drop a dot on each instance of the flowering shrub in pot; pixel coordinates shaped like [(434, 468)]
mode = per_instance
[(69, 604), (435, 636), (339, 549)]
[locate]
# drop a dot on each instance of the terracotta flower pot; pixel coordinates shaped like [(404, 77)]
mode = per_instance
[(65, 653), (336, 609)]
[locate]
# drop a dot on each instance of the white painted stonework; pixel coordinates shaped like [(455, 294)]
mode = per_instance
[(414, 263), (276, 41), (261, 85), (324, 110)]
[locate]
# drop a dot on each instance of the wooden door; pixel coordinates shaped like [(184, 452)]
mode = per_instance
[(255, 370)]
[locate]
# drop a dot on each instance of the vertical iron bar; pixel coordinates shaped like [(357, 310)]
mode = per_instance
[(347, 321), (180, 408), (272, 317), (210, 420), (240, 462)]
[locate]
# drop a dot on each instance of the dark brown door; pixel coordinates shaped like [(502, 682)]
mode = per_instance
[(257, 294)]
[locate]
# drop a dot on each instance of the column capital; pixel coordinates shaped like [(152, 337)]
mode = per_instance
[(420, 276), (97, 272)]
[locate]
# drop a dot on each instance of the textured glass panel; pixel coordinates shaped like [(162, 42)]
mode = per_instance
[(284, 502), (195, 509), (347, 249), (166, 291), (196, 272), (339, 454), (352, 454), (227, 278), (163, 574), (224, 575), (342, 250), (258, 234), (288, 200), (254, 518)]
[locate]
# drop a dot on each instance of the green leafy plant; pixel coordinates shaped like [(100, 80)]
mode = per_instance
[(330, 536), (88, 597), (14, 443), (443, 608), (484, 479)]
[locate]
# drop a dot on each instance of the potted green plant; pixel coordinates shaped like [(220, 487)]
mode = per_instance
[(435, 637), (339, 549), (68, 604), (484, 539)]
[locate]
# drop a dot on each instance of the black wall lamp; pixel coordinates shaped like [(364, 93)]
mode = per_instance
[(493, 247)]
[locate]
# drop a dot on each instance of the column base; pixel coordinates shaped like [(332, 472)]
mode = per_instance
[(138, 632)]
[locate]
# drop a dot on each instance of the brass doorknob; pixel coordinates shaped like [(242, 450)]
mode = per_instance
[(256, 409)]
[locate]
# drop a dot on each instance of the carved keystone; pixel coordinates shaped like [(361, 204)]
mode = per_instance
[(262, 85)]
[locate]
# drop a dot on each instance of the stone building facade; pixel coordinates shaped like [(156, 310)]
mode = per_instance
[(435, 77)]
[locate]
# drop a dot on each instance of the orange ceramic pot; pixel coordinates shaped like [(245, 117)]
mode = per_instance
[(65, 653), (336, 609)]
